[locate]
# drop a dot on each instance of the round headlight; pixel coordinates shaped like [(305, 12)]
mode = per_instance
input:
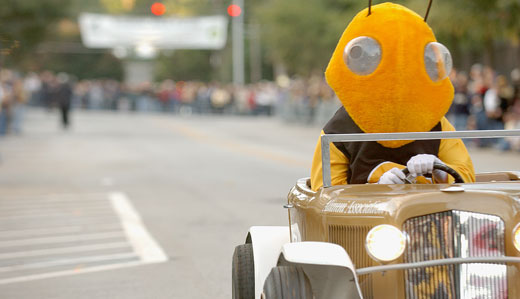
[(516, 237), (385, 243)]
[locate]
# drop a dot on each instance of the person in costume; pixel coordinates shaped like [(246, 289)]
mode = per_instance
[(391, 75)]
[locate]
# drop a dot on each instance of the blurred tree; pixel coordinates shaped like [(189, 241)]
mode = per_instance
[(302, 37), (83, 65), (25, 23), (297, 37), (473, 25), (185, 65), (181, 8), (118, 6)]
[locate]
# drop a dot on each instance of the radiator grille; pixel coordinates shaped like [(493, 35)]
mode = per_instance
[(352, 238), (455, 234)]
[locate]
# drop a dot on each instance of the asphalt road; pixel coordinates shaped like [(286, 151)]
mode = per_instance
[(145, 206)]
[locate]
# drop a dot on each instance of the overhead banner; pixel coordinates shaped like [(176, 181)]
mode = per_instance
[(107, 31)]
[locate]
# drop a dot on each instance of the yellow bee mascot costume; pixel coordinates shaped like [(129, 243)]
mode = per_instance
[(391, 75)]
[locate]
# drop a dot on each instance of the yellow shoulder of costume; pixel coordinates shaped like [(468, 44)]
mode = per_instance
[(453, 152), (446, 125), (338, 167)]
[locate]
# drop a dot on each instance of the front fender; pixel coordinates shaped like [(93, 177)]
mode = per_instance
[(267, 244), (328, 266)]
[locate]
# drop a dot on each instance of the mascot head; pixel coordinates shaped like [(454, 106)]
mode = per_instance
[(390, 73)]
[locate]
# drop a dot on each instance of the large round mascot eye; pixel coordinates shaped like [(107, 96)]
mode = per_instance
[(437, 60), (362, 55)]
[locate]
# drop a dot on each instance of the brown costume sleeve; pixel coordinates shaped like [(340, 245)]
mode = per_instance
[(338, 166)]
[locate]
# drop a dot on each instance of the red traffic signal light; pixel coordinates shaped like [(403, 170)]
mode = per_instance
[(158, 9), (234, 10)]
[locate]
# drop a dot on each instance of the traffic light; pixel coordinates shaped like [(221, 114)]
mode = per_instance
[(158, 9), (234, 10)]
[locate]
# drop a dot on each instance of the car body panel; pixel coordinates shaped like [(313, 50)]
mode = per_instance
[(328, 266), (328, 214)]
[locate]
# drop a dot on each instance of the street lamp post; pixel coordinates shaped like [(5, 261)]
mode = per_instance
[(238, 45)]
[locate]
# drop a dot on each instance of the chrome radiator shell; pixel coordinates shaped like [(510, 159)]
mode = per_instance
[(454, 234)]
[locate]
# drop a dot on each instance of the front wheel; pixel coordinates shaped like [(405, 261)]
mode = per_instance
[(287, 282), (243, 272)]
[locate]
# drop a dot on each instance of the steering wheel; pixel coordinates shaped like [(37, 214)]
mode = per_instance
[(443, 167)]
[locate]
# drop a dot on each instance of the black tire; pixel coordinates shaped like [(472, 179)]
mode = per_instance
[(288, 282), (243, 272)]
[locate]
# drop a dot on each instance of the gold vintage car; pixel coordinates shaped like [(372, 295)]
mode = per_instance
[(409, 241)]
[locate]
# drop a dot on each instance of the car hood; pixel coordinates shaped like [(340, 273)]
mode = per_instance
[(400, 202)]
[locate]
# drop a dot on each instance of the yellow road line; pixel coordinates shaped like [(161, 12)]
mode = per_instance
[(236, 147)]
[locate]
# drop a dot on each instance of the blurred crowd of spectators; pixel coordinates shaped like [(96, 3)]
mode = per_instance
[(483, 99), (295, 100), (486, 101), (13, 97), (189, 97)]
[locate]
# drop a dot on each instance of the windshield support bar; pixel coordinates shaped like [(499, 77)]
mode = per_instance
[(326, 139)]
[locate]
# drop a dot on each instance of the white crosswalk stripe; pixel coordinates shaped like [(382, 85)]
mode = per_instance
[(56, 235)]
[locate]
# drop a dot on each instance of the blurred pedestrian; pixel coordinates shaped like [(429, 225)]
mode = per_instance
[(515, 79), (220, 98), (48, 87), (513, 122), (265, 99), (95, 96), (32, 86), (63, 98), (5, 105), (165, 94), (493, 108), (19, 98), (3, 109), (461, 102), (505, 93), (203, 99)]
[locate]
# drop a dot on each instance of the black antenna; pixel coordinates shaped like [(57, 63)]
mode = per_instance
[(425, 17), (427, 11)]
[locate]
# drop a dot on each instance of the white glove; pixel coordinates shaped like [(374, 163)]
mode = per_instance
[(393, 176), (423, 164)]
